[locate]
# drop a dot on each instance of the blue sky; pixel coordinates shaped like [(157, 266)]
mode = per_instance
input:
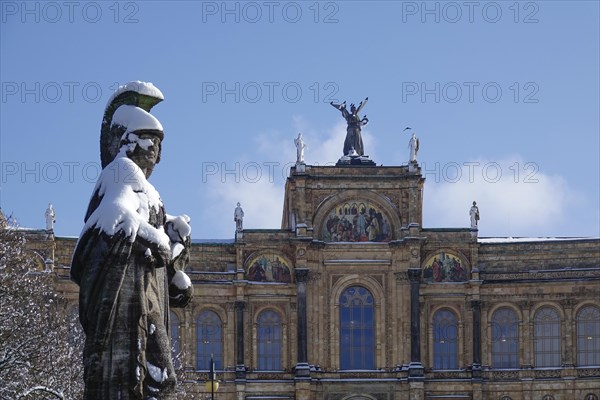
[(504, 97)]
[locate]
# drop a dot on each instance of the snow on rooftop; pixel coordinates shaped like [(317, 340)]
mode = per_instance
[(528, 239), (134, 118), (146, 88)]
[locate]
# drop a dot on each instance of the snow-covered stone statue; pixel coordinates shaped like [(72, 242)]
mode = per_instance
[(413, 145), (129, 259), (238, 217), (300, 146), (50, 217), (355, 123), (474, 214)]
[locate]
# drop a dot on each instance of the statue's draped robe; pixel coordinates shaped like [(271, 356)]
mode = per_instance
[(353, 134), (124, 311)]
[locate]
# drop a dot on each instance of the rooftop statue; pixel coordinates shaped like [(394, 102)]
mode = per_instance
[(50, 217), (300, 146), (474, 214), (353, 131)]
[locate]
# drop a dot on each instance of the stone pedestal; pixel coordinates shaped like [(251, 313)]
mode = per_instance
[(355, 161)]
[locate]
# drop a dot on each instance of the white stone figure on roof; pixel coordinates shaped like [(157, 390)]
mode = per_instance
[(238, 217), (474, 213), (300, 146), (413, 145), (50, 217)]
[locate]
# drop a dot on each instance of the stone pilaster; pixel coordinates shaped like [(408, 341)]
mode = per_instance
[(302, 368), (240, 367), (415, 368), (476, 365)]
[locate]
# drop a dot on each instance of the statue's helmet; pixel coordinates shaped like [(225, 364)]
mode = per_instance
[(142, 95), (134, 122)]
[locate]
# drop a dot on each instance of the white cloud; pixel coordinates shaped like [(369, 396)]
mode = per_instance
[(514, 198), (262, 202), (259, 185)]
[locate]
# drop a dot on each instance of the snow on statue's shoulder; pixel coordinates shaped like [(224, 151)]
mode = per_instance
[(126, 201), (146, 88), (134, 118)]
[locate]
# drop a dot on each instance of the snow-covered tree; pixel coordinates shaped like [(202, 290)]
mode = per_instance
[(40, 340)]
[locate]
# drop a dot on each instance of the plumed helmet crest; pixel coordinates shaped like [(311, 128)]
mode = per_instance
[(138, 94)]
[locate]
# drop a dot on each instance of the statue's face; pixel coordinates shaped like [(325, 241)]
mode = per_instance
[(146, 152)]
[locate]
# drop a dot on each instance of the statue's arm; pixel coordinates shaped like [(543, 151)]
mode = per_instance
[(362, 105), (180, 285)]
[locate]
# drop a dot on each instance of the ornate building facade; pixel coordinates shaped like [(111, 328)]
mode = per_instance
[(354, 299)]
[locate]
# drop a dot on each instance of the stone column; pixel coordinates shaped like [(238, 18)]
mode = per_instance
[(302, 368), (476, 366), (240, 367), (415, 368)]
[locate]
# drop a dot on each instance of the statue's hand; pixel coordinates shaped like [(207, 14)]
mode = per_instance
[(178, 228), (162, 256), (181, 290)]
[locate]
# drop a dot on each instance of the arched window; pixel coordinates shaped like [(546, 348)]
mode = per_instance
[(357, 329), (209, 340), (175, 339), (548, 397), (547, 337), (588, 336), (269, 341), (505, 398), (505, 339), (445, 340), (591, 396)]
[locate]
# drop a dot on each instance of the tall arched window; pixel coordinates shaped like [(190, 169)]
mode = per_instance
[(209, 340), (588, 336), (175, 339), (445, 340), (546, 336), (269, 341), (505, 339), (357, 329)]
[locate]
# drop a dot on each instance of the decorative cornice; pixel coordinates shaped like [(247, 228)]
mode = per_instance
[(401, 276), (586, 273)]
